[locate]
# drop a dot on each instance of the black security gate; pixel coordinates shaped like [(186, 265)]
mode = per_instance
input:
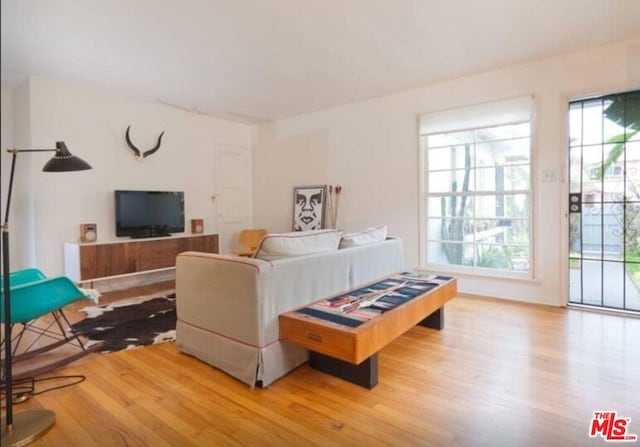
[(604, 202)]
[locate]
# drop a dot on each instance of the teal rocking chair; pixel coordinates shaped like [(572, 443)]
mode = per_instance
[(33, 295)]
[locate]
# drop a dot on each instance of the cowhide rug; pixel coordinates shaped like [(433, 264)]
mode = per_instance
[(129, 323)]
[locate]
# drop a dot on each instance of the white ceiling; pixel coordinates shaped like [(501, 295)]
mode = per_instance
[(255, 60)]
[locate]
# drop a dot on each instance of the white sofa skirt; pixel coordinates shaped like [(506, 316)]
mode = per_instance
[(246, 363)]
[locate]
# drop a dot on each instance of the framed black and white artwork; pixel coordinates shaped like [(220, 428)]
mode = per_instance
[(309, 207)]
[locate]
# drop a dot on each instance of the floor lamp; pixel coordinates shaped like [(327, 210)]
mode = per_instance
[(27, 426)]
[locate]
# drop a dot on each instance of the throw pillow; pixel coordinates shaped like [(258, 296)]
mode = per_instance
[(298, 243), (369, 236)]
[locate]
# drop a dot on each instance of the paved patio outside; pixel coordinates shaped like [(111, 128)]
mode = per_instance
[(620, 291)]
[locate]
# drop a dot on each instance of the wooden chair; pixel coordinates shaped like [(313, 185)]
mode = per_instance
[(249, 240)]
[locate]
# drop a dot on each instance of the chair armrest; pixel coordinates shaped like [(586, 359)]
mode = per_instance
[(32, 300), (23, 277)]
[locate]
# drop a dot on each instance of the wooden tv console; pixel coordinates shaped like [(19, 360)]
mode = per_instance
[(84, 262)]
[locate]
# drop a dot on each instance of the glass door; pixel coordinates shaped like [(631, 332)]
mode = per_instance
[(604, 202)]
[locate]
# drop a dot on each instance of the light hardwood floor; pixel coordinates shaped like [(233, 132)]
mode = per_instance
[(499, 374)]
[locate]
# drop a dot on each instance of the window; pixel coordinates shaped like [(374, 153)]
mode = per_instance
[(476, 187)]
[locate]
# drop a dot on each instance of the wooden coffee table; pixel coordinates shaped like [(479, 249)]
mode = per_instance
[(344, 338)]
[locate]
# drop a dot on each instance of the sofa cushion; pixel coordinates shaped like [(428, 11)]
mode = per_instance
[(369, 236), (299, 243)]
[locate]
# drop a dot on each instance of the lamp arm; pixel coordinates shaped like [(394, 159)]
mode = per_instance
[(5, 222), (17, 151)]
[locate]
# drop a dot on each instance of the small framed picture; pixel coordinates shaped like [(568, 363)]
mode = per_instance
[(309, 204)]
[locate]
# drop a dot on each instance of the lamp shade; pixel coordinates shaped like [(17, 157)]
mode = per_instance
[(63, 161)]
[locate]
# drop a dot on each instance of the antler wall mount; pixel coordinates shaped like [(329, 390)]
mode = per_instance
[(138, 153)]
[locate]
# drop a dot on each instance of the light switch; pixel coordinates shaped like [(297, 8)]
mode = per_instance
[(549, 175)]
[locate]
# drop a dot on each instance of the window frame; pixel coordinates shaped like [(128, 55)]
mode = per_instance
[(424, 196)]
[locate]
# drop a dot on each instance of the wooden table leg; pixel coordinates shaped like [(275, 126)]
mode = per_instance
[(365, 374), (435, 320)]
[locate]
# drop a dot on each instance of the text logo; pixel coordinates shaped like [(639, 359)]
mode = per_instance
[(611, 427)]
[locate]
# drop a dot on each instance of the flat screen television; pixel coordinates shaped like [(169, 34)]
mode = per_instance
[(149, 213)]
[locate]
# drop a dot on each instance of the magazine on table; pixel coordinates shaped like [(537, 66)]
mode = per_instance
[(367, 302)]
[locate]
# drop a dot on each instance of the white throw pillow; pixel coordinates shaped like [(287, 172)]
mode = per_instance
[(299, 243), (369, 236)]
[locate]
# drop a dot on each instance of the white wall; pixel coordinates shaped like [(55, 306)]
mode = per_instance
[(93, 125), (371, 148)]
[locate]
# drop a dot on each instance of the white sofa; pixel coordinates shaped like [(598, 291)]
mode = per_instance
[(228, 306)]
